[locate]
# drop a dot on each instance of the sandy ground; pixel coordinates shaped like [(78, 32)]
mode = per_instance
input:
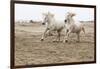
[(30, 50)]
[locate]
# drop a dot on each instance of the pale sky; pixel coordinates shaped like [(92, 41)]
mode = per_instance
[(34, 12)]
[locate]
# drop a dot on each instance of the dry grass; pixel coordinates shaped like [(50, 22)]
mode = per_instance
[(30, 50)]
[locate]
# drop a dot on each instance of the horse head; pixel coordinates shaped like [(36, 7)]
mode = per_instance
[(47, 17), (69, 17)]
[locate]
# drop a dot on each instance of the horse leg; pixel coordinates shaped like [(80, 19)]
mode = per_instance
[(44, 34), (78, 37), (67, 35), (50, 33), (58, 35), (83, 29)]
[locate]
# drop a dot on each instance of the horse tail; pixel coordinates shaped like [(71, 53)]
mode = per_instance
[(83, 29)]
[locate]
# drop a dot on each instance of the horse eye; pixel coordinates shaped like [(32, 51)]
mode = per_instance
[(65, 20)]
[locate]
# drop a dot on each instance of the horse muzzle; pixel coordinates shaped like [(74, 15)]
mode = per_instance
[(43, 23)]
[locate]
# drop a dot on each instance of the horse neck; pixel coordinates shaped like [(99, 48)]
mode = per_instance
[(51, 21), (70, 21)]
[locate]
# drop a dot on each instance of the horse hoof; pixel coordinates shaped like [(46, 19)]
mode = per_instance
[(54, 41), (78, 41), (50, 34), (65, 41), (42, 39)]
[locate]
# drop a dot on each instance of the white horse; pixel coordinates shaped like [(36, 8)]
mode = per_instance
[(73, 26), (52, 25)]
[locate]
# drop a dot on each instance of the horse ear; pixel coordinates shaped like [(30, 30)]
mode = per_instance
[(44, 14), (73, 14), (68, 13)]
